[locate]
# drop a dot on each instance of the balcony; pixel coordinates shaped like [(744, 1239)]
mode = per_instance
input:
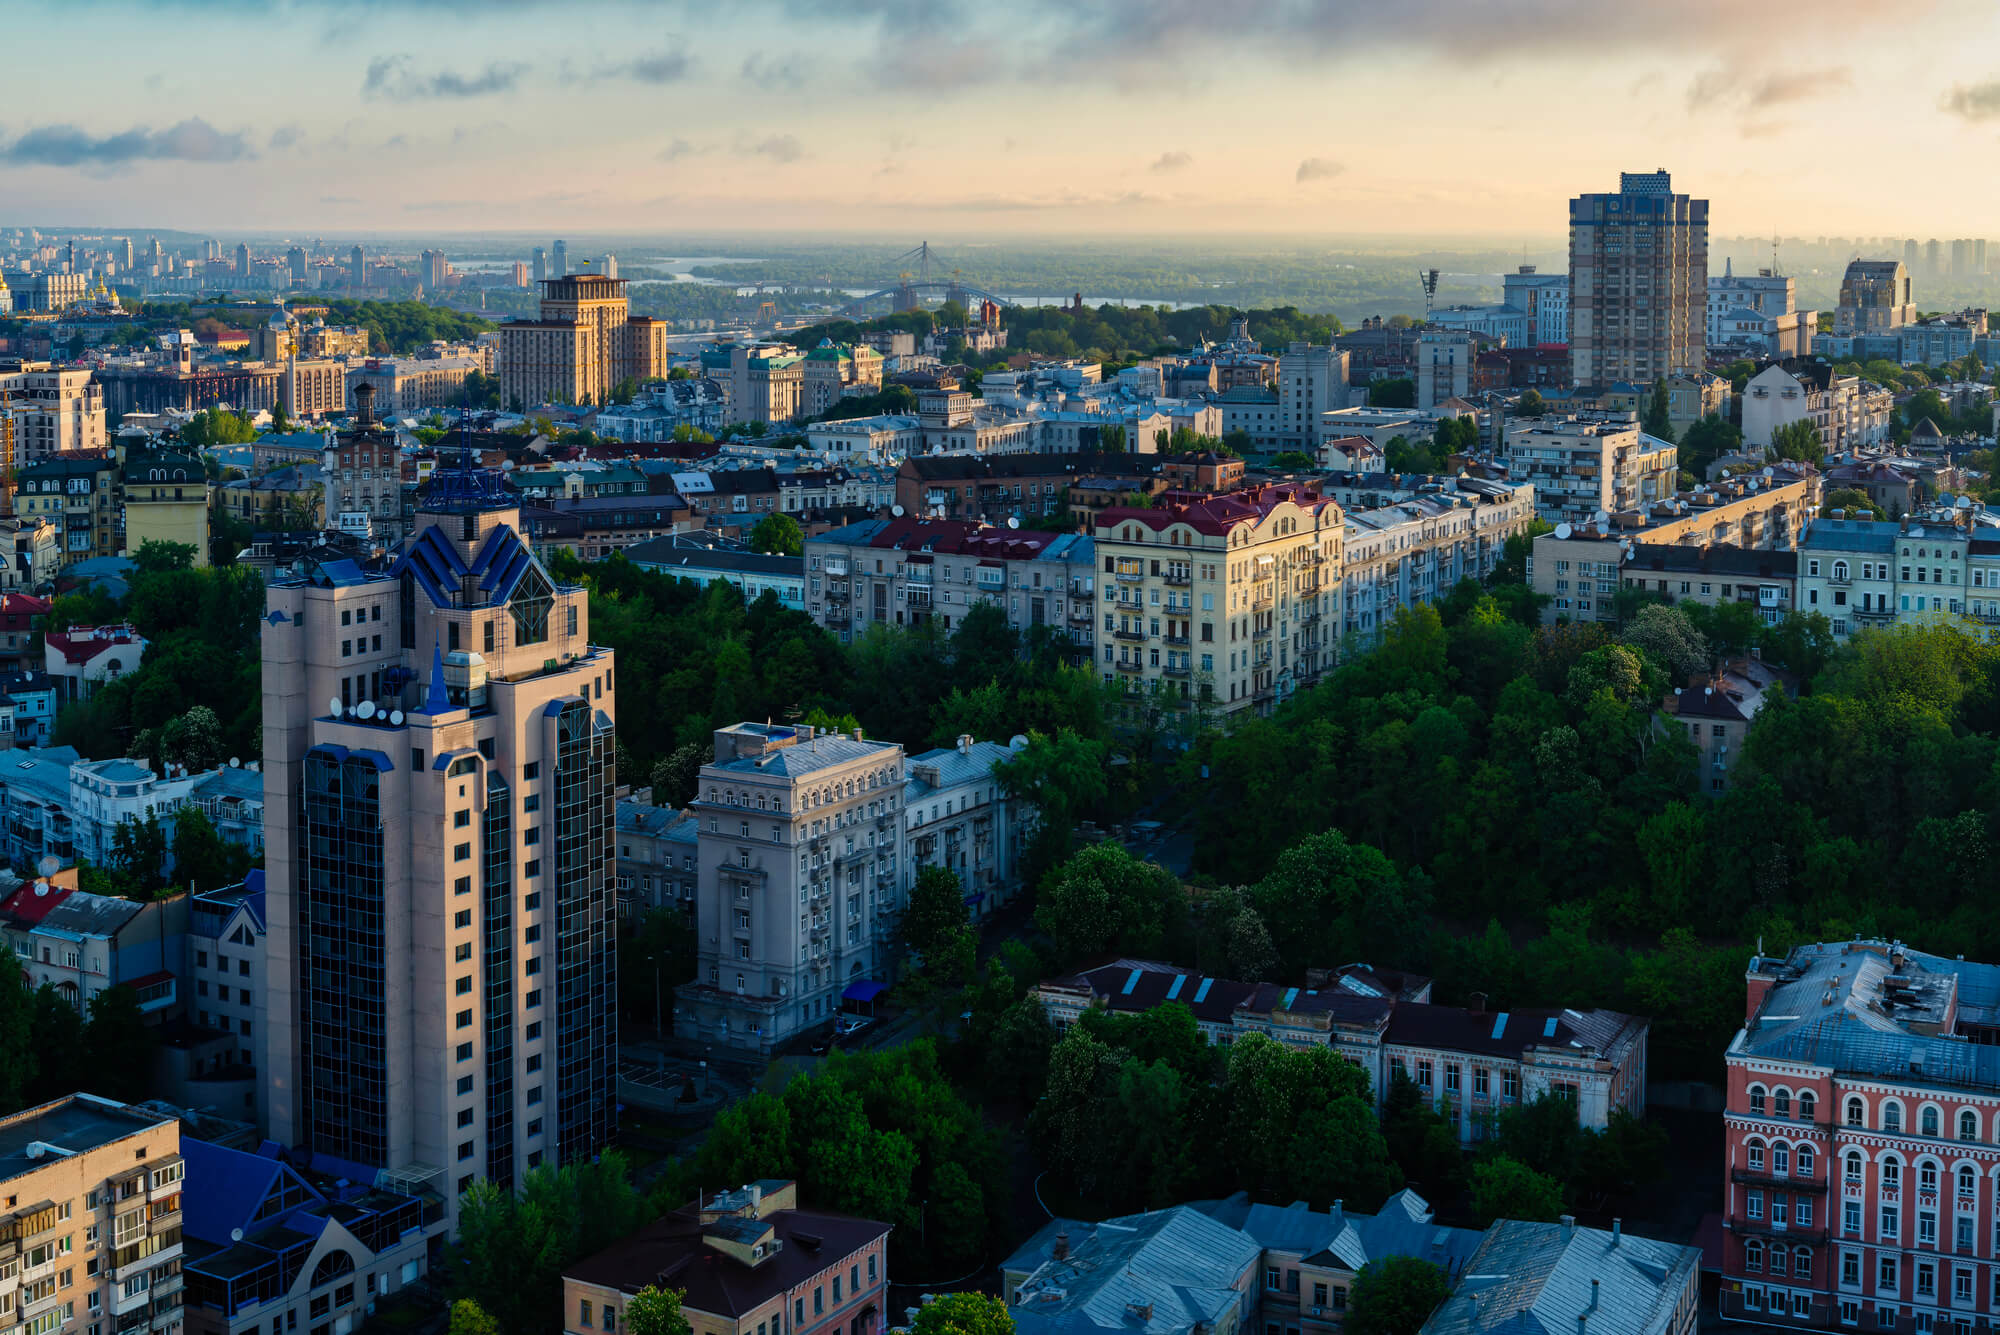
[(917, 596), (1178, 640), (837, 617), (1129, 665), (1179, 579), (1763, 1228), (1080, 616), (1173, 671), (836, 566), (1130, 576), (1261, 633), (1131, 636), (1753, 1178), (1872, 614), (837, 593)]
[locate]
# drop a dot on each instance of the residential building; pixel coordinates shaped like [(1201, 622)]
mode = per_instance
[(81, 944), (30, 552), (658, 411), (763, 974), (292, 497), (887, 438), (585, 343), (232, 797), (20, 618), (1406, 542), (658, 859), (79, 494), (1713, 574), (593, 527), (1836, 405), (1488, 326), (766, 383), (1638, 282), (82, 658), (742, 1259), (1717, 709), (1444, 367), (958, 816), (909, 571), (832, 372), (1380, 425), (166, 500), (1176, 1271), (1861, 572), (1468, 1060), (1861, 1064), (992, 490), (687, 556), (27, 708), (1224, 600), (1767, 293), (222, 977), (363, 472), (94, 1225), (312, 388), (1590, 463), (273, 1239), (1312, 381), (1555, 1277), (105, 794), (34, 799), (1875, 298), (54, 409), (414, 386), (1545, 298), (438, 777)]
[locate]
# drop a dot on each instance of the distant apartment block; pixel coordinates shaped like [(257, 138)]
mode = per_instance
[(1589, 464), (909, 571), (583, 345), (1638, 269)]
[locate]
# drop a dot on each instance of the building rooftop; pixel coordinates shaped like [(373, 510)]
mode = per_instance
[(1558, 1279), (1159, 1273), (68, 1126), (666, 555), (1404, 1226), (1218, 514)]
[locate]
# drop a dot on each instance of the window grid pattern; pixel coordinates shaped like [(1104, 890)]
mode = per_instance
[(586, 902), (497, 884)]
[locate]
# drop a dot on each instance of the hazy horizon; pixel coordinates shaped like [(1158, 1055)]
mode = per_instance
[(1425, 122)]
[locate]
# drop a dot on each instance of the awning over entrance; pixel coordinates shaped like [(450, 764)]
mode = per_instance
[(865, 990)]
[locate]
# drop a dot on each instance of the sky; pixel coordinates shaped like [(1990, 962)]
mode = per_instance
[(1058, 117)]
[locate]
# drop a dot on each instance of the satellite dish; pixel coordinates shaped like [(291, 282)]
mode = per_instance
[(506, 465), (366, 709), (236, 1235), (1916, 530), (396, 717), (1602, 517), (235, 762), (333, 706), (896, 510), (1770, 471), (1563, 531), (1963, 503), (1013, 521)]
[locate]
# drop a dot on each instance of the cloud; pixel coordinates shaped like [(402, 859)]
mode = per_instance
[(683, 148), (1734, 86), (1318, 169), (1977, 102), (287, 136), (778, 148), (338, 199), (193, 140), (391, 77), (661, 67), (789, 72), (1172, 161)]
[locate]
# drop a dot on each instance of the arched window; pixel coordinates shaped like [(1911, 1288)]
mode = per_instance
[(1755, 1150), (1781, 1160), (1756, 1100), (331, 1267), (1753, 1255), (1840, 570), (1857, 1112), (1928, 1122), (1892, 1174), (1968, 1124), (1781, 1103), (1892, 1117), (1854, 1165), (1802, 1263), (1806, 1105), (1968, 1182), (1927, 1176), (1802, 1162)]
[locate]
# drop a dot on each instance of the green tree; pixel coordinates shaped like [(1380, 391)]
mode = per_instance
[(654, 960), (1397, 392), (963, 1314), (201, 860), (139, 850), (469, 1318), (675, 775), (1395, 1295), (1530, 404), (1667, 637), (1658, 419), (120, 1044), (1104, 897), (17, 1011), (512, 1247), (155, 557), (934, 919), (1800, 441), (656, 1311), (1707, 440), (1853, 502), (778, 534), (1506, 1188)]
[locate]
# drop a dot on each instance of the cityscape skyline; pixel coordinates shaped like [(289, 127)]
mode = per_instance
[(696, 123)]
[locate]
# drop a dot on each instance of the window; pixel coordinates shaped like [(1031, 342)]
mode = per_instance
[(1927, 1228), (1781, 1160), (1850, 1268), (1968, 1125), (1928, 1122), (1781, 1102), (1857, 1112), (1853, 1162), (1802, 1164), (1807, 1102), (1753, 1205), (1967, 1180), (1756, 1100), (1756, 1153), (1753, 1256), (1892, 1117), (1891, 1223), (1850, 1217), (1927, 1176)]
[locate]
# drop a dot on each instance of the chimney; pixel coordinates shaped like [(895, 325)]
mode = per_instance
[(1593, 1295), (1061, 1250), (965, 743), (1617, 1231), (1478, 1006), (1568, 1223)]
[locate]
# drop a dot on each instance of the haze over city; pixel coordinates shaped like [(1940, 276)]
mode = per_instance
[(1267, 116)]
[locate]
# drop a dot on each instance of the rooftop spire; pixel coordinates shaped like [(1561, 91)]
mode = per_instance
[(435, 700)]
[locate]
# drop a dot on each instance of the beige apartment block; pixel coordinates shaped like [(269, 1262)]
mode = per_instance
[(90, 1218), (1228, 601), (1590, 463), (584, 344), (1638, 282), (314, 388), (797, 896), (833, 371), (55, 410), (439, 770)]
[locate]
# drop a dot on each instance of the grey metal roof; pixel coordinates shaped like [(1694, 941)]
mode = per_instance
[(1849, 535), (43, 772), (1537, 1279), (1405, 1226), (1181, 1263), (664, 555), (954, 767), (822, 752), (86, 914)]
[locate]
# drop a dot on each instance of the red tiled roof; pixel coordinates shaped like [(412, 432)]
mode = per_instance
[(84, 643), (26, 907), (1218, 514)]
